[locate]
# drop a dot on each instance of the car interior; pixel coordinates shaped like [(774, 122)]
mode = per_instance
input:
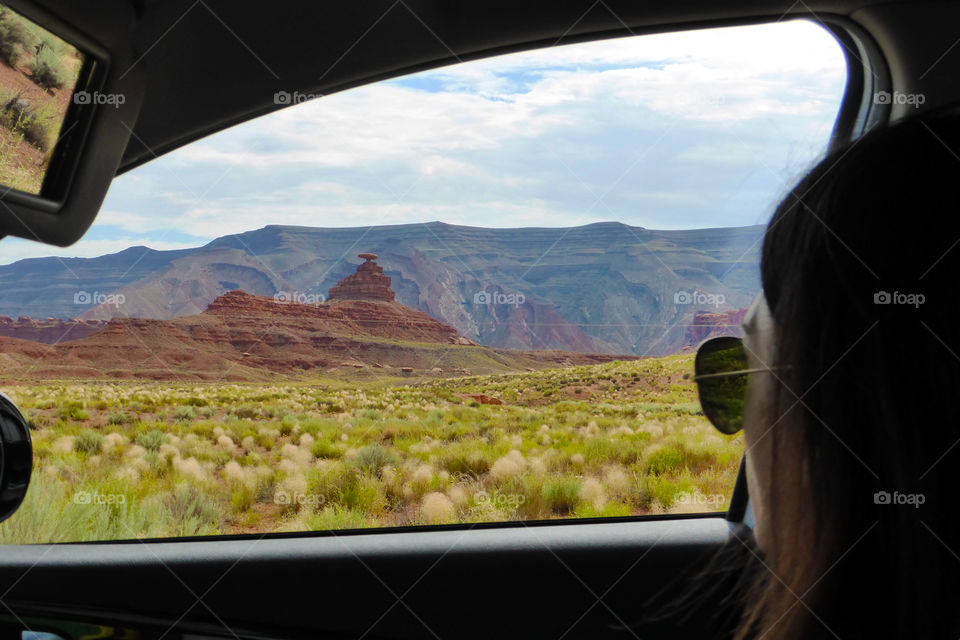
[(188, 69)]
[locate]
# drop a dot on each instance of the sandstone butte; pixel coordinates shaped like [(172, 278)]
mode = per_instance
[(346, 317), (246, 337), (368, 283)]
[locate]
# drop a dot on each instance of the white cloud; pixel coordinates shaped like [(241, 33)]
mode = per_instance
[(653, 131)]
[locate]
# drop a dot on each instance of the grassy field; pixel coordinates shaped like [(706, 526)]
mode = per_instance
[(125, 460)]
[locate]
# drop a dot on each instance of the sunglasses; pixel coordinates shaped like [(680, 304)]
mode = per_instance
[(720, 371)]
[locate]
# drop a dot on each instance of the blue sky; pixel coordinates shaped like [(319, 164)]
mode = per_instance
[(686, 130)]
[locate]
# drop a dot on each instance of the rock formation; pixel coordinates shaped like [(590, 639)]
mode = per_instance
[(49, 331), (368, 283), (344, 317), (709, 324), (246, 337)]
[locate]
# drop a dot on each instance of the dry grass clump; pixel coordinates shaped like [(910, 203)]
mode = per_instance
[(437, 508), (190, 468)]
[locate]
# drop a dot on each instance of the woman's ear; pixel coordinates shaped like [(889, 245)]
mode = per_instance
[(758, 418), (760, 333)]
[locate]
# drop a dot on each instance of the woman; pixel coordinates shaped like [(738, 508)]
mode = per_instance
[(851, 419)]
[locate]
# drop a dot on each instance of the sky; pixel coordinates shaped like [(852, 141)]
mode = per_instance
[(674, 131)]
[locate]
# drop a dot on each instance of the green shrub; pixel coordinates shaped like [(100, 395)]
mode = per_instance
[(609, 510), (151, 440), (192, 509), (372, 415), (372, 458), (266, 440), (272, 410), (46, 72), (363, 495), (662, 490), (14, 38), (664, 460), (74, 411), (473, 464), (605, 450), (336, 517), (37, 133), (241, 498), (324, 449), (9, 46), (698, 459), (287, 423), (88, 441), (246, 411), (330, 406), (118, 417), (534, 504), (561, 494), (184, 413), (331, 482)]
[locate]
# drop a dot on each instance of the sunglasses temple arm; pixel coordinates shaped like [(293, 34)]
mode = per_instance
[(730, 374)]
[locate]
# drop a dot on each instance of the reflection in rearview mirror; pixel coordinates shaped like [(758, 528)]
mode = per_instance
[(38, 74)]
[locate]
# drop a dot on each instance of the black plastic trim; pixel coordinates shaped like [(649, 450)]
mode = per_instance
[(517, 582), (867, 76)]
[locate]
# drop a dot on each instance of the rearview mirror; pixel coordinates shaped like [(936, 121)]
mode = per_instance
[(67, 108), (38, 75)]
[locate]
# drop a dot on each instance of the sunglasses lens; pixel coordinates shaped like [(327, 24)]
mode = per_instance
[(722, 397)]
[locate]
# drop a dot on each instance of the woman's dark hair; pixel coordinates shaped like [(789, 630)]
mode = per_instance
[(861, 270)]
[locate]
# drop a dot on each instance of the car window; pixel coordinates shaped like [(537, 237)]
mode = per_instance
[(465, 295)]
